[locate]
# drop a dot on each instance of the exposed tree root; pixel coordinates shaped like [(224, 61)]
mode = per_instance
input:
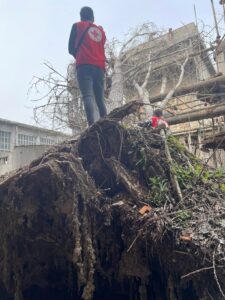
[(70, 226)]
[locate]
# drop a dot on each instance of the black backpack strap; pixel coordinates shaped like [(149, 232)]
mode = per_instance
[(81, 39)]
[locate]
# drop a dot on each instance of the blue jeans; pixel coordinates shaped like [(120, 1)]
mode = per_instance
[(91, 83)]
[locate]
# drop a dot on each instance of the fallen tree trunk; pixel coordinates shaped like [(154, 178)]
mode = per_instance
[(198, 114), (70, 226), (198, 87)]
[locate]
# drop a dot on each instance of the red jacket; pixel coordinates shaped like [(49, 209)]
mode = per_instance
[(156, 121), (91, 50)]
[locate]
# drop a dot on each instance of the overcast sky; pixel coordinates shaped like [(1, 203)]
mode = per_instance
[(32, 31)]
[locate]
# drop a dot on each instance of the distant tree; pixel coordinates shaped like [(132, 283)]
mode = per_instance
[(59, 104)]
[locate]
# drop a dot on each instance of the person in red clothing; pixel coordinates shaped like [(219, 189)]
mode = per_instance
[(86, 45), (157, 119)]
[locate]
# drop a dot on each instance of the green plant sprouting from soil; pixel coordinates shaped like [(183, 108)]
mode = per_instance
[(159, 190), (183, 217), (143, 161)]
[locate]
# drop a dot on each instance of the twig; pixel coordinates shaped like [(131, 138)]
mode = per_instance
[(47, 64), (197, 271), (216, 277), (139, 233), (174, 178), (210, 296), (100, 146)]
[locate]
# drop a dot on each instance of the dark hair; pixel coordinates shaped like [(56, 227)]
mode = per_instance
[(158, 113), (86, 14)]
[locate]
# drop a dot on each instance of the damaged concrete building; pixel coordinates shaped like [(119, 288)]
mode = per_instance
[(168, 53)]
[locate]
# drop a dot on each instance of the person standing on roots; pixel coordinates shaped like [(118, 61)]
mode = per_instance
[(86, 45)]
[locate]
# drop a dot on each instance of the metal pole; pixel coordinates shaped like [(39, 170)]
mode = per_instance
[(196, 22), (217, 32), (222, 2), (215, 20), (198, 65), (224, 11)]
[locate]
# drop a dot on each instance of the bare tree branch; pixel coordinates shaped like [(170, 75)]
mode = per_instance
[(172, 91)]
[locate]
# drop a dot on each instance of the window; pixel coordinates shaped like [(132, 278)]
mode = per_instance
[(46, 141), (26, 139), (5, 140), (3, 160)]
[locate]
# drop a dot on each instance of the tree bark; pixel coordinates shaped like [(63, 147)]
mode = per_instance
[(198, 114), (116, 92), (173, 90)]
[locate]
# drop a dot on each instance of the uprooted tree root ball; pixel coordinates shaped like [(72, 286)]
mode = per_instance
[(72, 224)]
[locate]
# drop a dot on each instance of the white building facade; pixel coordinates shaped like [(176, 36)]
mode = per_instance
[(22, 143)]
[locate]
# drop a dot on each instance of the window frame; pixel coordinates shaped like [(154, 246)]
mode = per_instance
[(26, 140), (5, 140)]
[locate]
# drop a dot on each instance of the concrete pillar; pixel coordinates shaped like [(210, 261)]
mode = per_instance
[(221, 62)]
